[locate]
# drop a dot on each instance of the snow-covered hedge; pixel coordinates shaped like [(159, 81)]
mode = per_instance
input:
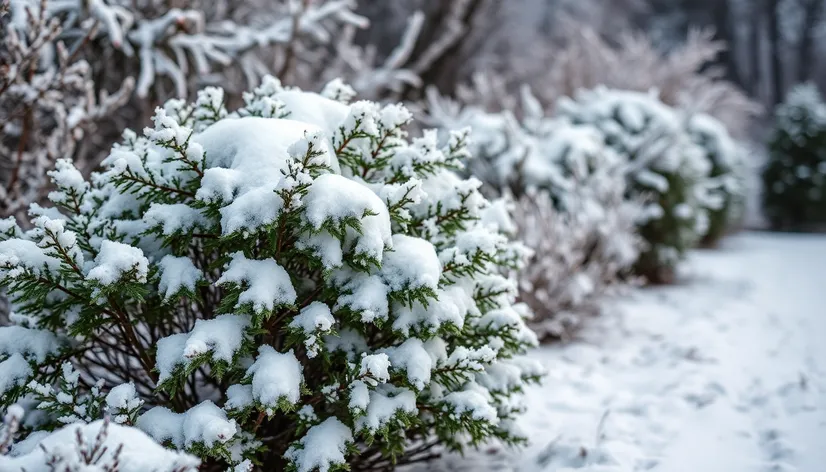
[(293, 283), (728, 179), (667, 168), (533, 151), (794, 179), (568, 192)]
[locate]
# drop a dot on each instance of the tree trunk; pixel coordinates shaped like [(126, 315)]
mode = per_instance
[(445, 70), (755, 59), (812, 11), (777, 82), (724, 33)]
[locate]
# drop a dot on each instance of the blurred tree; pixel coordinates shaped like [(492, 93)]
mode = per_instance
[(774, 41), (772, 44), (812, 17), (483, 35), (755, 16)]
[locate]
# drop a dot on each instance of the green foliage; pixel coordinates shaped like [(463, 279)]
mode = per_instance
[(669, 236), (728, 178), (293, 293), (794, 179), (668, 170)]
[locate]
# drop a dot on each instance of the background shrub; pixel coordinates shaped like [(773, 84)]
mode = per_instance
[(728, 178), (794, 179), (568, 191), (667, 169)]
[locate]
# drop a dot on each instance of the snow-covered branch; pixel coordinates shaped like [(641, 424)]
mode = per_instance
[(171, 42), (47, 105)]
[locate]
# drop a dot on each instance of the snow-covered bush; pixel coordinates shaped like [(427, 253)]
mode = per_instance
[(568, 192), (170, 50), (580, 256), (293, 283), (794, 179), (496, 139), (173, 50), (532, 151), (667, 168), (729, 177), (45, 110), (57, 56)]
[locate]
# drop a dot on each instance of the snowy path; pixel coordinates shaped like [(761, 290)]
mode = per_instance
[(725, 372)]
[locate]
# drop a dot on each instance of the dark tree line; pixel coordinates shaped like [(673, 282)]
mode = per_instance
[(772, 44)]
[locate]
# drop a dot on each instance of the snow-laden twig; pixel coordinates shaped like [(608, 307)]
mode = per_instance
[(167, 41), (47, 105)]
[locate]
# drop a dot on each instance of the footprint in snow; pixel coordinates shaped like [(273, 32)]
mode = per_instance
[(777, 450), (779, 467), (707, 395)]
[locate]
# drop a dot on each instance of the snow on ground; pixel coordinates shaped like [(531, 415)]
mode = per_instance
[(725, 372)]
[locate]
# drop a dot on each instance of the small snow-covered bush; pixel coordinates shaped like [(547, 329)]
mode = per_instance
[(794, 179), (568, 194), (667, 168), (293, 283), (530, 152), (580, 256), (728, 178)]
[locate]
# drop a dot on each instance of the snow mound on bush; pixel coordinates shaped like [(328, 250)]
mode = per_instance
[(136, 452)]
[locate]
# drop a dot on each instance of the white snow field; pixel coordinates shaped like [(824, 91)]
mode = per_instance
[(724, 372)]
